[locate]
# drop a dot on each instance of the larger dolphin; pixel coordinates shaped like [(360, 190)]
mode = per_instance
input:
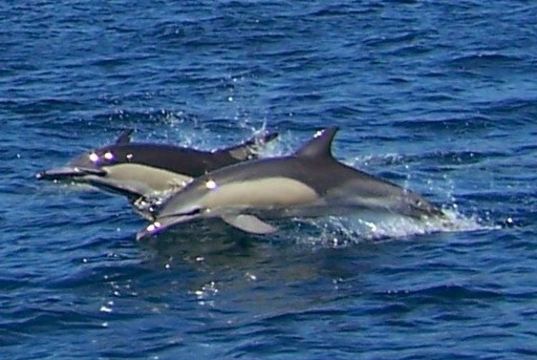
[(308, 183), (140, 169)]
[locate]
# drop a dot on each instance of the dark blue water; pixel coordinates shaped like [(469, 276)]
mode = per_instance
[(437, 96)]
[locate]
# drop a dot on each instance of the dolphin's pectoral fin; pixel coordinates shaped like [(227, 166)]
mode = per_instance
[(249, 223)]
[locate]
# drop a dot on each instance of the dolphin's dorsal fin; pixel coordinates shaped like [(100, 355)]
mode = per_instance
[(124, 137), (320, 145)]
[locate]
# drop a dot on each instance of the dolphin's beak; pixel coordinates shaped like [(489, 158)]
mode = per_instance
[(68, 172), (161, 224), (152, 229)]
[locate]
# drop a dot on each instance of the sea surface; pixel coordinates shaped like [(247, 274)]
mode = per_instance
[(437, 96)]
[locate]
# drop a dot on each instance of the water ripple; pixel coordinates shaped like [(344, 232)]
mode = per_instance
[(439, 97)]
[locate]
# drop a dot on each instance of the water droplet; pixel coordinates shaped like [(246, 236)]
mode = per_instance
[(251, 276), (210, 184), (154, 226), (93, 157), (105, 309)]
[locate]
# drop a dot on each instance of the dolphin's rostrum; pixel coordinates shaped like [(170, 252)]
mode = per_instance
[(308, 183)]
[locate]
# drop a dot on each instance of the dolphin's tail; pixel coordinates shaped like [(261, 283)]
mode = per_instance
[(249, 149)]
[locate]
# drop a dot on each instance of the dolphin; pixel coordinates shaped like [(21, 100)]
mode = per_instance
[(141, 169), (308, 183)]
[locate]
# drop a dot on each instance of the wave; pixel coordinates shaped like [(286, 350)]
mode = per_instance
[(447, 293), (481, 60), (460, 123)]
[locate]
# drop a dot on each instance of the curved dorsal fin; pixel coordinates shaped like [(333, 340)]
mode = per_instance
[(124, 137), (320, 145)]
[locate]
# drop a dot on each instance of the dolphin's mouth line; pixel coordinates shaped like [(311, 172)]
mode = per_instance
[(68, 172), (192, 212)]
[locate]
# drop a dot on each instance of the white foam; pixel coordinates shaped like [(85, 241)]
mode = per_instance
[(342, 231)]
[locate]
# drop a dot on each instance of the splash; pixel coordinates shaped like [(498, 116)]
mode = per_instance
[(338, 231), (344, 231)]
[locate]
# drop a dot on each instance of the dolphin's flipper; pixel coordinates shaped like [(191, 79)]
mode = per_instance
[(250, 224), (124, 137)]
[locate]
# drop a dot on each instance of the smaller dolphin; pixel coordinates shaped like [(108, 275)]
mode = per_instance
[(308, 183), (142, 169)]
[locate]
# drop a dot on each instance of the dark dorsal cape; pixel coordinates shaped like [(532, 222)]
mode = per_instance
[(313, 165), (186, 161)]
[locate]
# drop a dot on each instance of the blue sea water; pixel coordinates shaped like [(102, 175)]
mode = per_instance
[(437, 96)]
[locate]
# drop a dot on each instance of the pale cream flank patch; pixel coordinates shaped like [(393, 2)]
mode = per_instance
[(153, 178), (267, 192)]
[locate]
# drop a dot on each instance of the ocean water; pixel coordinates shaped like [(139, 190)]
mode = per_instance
[(437, 96)]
